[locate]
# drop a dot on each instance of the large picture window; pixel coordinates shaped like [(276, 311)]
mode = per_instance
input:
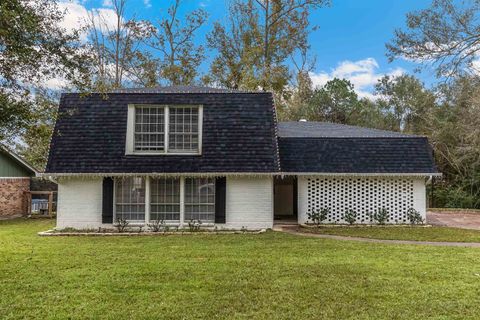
[(165, 199), (164, 129), (200, 199), (130, 199)]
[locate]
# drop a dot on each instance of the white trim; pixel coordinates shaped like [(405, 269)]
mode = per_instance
[(227, 174), (166, 130), (130, 137), (18, 178), (182, 201), (147, 199)]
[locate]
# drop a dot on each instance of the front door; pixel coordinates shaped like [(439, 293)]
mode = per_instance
[(285, 196)]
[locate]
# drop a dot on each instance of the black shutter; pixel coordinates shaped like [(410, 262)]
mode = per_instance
[(220, 193), (107, 202)]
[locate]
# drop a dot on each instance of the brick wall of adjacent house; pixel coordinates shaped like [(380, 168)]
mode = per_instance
[(12, 195)]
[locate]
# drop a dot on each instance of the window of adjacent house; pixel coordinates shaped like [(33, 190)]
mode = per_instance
[(200, 199), (165, 199), (166, 129), (130, 198)]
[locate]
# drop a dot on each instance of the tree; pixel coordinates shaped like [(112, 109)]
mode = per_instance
[(260, 37), (37, 133), (33, 50), (116, 58), (405, 102), (333, 102), (445, 34), (173, 39)]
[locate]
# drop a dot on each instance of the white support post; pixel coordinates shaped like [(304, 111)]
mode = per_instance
[(147, 200), (182, 201), (166, 129)]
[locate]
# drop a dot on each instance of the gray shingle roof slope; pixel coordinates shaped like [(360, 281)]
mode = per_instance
[(313, 147), (179, 89), (238, 135), (313, 129)]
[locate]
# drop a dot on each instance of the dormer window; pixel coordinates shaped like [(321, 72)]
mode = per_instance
[(164, 129)]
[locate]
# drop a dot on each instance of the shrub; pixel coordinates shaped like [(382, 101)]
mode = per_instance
[(381, 216), (194, 225), (318, 216), (350, 216), (121, 224), (414, 216), (156, 225)]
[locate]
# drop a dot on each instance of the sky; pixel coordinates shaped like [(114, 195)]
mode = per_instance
[(350, 41)]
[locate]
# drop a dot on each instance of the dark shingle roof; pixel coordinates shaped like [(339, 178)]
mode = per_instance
[(238, 135), (313, 129), (321, 147), (179, 89)]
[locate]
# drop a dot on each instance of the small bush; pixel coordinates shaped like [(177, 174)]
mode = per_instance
[(414, 216), (350, 216), (318, 216), (194, 225), (121, 224), (381, 216), (156, 225)]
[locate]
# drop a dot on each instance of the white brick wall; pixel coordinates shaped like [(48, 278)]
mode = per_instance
[(362, 195), (249, 202), (79, 203)]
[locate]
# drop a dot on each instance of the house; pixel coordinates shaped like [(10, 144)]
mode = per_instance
[(15, 175), (186, 153)]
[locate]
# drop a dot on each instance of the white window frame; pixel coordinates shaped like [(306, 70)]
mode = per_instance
[(130, 137), (180, 223)]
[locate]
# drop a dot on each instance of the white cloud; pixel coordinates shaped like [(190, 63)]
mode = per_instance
[(147, 3), (363, 74), (107, 3), (76, 15)]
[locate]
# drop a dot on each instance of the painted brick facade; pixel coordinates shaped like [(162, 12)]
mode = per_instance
[(12, 195)]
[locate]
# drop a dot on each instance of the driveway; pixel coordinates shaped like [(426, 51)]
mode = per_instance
[(454, 219)]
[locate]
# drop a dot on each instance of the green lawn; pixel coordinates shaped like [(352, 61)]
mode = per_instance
[(418, 233), (267, 276)]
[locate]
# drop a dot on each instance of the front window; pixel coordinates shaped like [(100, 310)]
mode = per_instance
[(165, 199), (130, 198), (164, 129), (200, 199)]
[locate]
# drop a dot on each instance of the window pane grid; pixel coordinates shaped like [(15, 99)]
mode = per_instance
[(183, 129), (200, 199), (149, 128), (130, 199), (165, 199)]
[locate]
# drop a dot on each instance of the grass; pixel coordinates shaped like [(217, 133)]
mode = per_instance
[(417, 233), (267, 276)]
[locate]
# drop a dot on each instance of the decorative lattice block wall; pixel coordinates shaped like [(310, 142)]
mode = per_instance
[(362, 194)]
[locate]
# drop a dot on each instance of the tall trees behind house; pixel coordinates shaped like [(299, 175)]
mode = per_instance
[(255, 45), (445, 35), (33, 50), (142, 53), (172, 39)]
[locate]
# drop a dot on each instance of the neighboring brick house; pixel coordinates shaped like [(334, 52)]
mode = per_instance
[(186, 153), (15, 176)]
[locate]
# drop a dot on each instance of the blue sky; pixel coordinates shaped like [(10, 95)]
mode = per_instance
[(350, 42)]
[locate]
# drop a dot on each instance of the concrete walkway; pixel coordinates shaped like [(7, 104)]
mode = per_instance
[(294, 231), (454, 219)]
